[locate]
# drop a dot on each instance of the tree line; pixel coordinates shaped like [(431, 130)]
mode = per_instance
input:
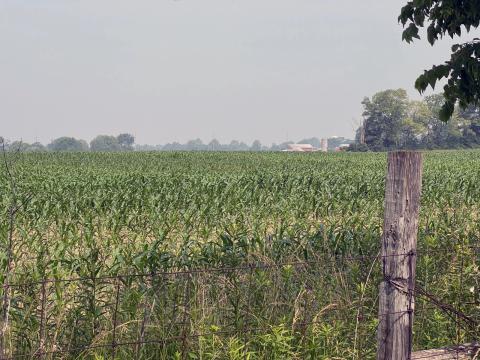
[(392, 121), (126, 142), (122, 142), (234, 145)]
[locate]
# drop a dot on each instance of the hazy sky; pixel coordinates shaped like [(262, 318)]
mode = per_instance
[(169, 70)]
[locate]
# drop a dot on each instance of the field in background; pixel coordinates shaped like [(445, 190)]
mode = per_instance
[(283, 248)]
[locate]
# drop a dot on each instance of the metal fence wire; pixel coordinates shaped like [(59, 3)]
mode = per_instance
[(179, 310)]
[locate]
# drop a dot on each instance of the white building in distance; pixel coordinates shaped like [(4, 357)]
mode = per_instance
[(324, 145), (301, 148)]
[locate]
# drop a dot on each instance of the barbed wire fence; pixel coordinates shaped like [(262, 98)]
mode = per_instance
[(117, 288)]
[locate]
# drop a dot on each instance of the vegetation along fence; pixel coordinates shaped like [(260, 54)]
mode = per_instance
[(317, 303)]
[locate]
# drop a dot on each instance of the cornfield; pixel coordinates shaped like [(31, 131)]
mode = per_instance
[(223, 255)]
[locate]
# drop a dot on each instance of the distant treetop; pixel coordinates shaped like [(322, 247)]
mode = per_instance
[(68, 144)]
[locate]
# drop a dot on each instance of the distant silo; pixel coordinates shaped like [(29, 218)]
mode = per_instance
[(324, 145)]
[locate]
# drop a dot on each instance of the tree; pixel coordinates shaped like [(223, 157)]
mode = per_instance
[(415, 125), (275, 147), (384, 115), (463, 68), (256, 146), (214, 145), (283, 145), (393, 121), (19, 146), (195, 145), (233, 146), (357, 147), (105, 143), (243, 146), (440, 134), (175, 146), (126, 141), (336, 141), (68, 144), (36, 146), (472, 132)]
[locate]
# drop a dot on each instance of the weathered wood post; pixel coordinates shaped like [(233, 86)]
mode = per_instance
[(399, 242)]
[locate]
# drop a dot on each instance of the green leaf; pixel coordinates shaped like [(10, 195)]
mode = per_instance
[(410, 33), (406, 14), (446, 111), (421, 83), (431, 34)]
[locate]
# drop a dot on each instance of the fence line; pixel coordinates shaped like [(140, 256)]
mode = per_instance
[(174, 338), (460, 319), (457, 316), (244, 267)]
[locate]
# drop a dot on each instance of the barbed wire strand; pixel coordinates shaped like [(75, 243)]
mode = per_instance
[(244, 267)]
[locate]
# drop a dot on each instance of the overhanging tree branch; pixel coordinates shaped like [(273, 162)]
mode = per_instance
[(462, 71)]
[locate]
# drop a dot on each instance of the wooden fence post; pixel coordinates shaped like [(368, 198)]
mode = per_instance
[(399, 242)]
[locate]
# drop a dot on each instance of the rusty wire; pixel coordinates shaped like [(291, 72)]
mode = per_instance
[(243, 267), (456, 315)]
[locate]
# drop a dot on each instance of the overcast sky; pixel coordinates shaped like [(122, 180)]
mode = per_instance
[(168, 70)]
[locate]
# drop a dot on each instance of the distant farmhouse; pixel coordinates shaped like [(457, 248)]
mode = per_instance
[(307, 147), (300, 148)]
